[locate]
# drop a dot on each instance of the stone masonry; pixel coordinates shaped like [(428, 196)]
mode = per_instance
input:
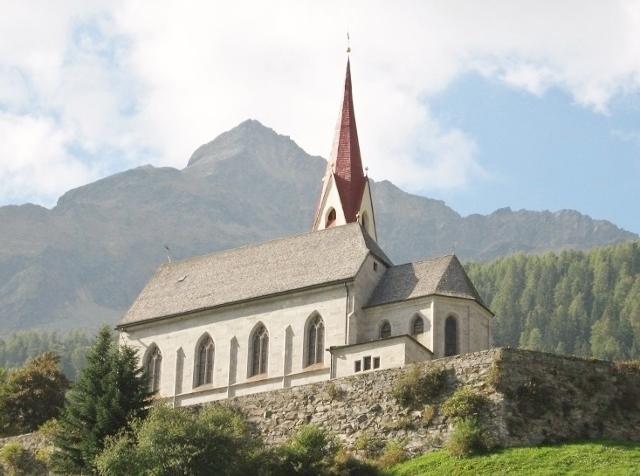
[(533, 398)]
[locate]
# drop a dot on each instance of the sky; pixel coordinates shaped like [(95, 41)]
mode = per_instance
[(526, 104)]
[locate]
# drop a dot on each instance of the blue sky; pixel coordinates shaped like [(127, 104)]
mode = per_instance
[(524, 104), (545, 152)]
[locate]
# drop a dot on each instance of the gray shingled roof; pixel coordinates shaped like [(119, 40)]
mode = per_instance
[(254, 271), (444, 276)]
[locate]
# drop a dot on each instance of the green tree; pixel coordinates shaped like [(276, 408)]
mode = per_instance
[(33, 394), (110, 392)]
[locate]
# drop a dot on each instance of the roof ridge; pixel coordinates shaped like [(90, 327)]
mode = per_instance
[(432, 258), (253, 245)]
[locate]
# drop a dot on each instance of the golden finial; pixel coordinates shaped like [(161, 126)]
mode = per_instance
[(348, 44)]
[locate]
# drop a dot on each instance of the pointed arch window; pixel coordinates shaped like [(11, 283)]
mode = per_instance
[(154, 368), (205, 354), (315, 341), (450, 336), (259, 351), (417, 327), (385, 330), (331, 218)]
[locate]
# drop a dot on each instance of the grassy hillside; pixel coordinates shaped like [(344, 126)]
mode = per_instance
[(593, 458)]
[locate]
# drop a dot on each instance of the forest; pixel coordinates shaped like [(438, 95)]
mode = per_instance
[(585, 303), (17, 348)]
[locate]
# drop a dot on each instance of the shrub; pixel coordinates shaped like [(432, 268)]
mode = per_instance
[(393, 453), (468, 438), (334, 392), (428, 414), (18, 461), (181, 441), (344, 464), (464, 403), (311, 451), (415, 388), (533, 398), (369, 444)]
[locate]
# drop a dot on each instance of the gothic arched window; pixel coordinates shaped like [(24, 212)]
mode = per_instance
[(154, 367), (331, 218), (259, 351), (315, 341), (204, 361), (385, 330), (450, 336), (417, 327)]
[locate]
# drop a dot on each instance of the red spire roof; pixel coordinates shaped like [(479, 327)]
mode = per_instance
[(346, 162)]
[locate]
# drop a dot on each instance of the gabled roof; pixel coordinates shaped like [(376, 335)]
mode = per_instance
[(274, 267), (443, 276)]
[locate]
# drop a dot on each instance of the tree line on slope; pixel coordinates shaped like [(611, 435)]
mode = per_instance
[(71, 349), (585, 303)]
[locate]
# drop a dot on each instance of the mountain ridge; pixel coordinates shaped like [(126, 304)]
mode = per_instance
[(83, 261)]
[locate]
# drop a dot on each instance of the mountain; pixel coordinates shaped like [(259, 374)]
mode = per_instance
[(83, 262)]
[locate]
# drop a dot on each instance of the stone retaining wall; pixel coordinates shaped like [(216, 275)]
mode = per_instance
[(534, 397)]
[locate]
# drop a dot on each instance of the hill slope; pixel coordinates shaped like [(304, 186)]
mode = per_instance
[(84, 261), (603, 458)]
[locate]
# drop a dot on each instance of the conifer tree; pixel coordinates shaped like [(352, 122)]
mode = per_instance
[(109, 393)]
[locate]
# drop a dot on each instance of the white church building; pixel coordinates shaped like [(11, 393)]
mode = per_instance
[(324, 304)]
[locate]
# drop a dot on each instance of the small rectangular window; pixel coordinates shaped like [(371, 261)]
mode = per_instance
[(375, 266), (367, 363), (358, 366), (376, 362)]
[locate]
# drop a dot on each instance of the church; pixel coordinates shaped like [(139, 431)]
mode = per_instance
[(305, 308)]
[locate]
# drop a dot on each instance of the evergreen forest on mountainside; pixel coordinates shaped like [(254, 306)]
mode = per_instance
[(581, 303), (585, 303)]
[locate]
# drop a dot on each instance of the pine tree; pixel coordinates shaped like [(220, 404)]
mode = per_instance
[(109, 393)]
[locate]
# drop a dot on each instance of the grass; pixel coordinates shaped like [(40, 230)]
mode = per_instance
[(593, 458)]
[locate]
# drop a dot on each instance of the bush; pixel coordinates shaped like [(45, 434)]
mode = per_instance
[(311, 451), (18, 461), (344, 464), (428, 414), (464, 403), (369, 444), (468, 438), (417, 388), (334, 392), (393, 453), (180, 441)]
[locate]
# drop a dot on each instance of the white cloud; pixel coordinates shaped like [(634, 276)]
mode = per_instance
[(38, 164), (152, 80)]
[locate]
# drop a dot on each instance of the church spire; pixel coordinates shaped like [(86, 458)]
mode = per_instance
[(346, 197)]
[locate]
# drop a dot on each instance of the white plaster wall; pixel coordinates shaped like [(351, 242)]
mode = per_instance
[(393, 353), (366, 206), (330, 199), (230, 328), (473, 324), (400, 315), (364, 283)]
